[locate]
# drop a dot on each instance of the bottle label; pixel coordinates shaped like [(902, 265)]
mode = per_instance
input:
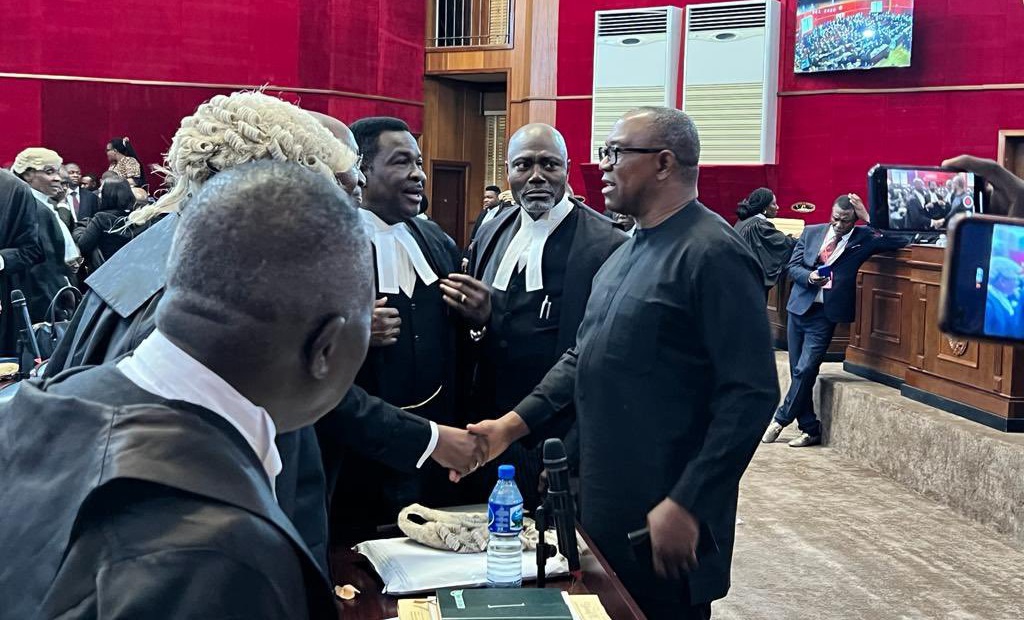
[(504, 519)]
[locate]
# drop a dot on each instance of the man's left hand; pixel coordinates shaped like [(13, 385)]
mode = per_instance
[(468, 296), (859, 208), (674, 538)]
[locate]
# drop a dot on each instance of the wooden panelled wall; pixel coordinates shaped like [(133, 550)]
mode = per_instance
[(530, 63), (454, 130)]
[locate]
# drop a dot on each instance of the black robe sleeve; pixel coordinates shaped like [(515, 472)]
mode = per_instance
[(21, 247), (374, 429)]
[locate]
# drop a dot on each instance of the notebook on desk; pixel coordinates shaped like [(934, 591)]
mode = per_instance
[(502, 604)]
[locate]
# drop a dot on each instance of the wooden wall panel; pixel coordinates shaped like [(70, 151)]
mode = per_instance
[(454, 130)]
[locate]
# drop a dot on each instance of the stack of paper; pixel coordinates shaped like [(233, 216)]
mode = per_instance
[(407, 567)]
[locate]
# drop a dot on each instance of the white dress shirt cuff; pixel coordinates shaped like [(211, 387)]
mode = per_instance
[(434, 433), (2, 264)]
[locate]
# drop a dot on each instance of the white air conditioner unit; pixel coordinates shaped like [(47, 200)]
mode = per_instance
[(731, 79), (636, 63)]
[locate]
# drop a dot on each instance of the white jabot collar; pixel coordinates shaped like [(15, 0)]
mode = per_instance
[(399, 257), (71, 252), (160, 367), (528, 245)]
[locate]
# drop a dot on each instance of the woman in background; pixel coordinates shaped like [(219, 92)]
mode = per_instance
[(125, 161), (108, 230), (771, 246)]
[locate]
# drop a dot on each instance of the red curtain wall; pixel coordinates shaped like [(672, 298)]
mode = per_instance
[(370, 47), (828, 142)]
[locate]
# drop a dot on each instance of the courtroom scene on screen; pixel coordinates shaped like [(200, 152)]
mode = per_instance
[(512, 309)]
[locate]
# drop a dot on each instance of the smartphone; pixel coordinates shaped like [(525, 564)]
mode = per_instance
[(922, 199), (640, 545), (980, 296)]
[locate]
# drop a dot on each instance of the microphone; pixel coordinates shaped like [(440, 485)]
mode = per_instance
[(560, 503), (27, 336)]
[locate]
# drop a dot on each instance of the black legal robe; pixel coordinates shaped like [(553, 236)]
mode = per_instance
[(116, 503), (502, 207), (119, 312), (51, 274), (418, 374), (20, 249), (771, 247), (673, 378), (522, 342)]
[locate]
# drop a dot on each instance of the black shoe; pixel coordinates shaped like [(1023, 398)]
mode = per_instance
[(805, 440)]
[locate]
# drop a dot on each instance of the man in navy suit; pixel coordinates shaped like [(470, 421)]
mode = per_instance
[(818, 302), (1001, 317)]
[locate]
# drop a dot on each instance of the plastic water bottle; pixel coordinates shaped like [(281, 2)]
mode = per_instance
[(504, 548)]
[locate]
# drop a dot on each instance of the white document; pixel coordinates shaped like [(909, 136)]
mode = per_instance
[(407, 567)]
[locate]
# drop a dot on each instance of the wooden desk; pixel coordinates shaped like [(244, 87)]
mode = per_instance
[(896, 340), (778, 297), (598, 578)]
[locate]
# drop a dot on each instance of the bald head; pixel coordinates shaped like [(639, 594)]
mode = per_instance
[(538, 168), (270, 284), (353, 180)]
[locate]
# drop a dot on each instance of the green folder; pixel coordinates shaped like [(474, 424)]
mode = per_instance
[(503, 604)]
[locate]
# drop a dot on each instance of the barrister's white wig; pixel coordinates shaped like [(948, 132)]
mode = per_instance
[(244, 126)]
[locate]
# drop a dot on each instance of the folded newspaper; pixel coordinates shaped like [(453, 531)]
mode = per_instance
[(407, 567)]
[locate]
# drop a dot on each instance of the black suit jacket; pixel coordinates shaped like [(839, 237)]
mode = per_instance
[(119, 312), (88, 204), (840, 300), (141, 507)]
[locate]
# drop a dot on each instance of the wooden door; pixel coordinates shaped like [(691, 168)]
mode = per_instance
[(448, 199)]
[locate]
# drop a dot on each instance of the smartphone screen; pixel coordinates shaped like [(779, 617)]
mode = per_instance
[(921, 199), (982, 280)]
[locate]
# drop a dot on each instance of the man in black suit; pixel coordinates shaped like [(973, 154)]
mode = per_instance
[(490, 209), (536, 309), (818, 302), (677, 315), (918, 203), (82, 202), (144, 487), (1002, 317), (418, 325)]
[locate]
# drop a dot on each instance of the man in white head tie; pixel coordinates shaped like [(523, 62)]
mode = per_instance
[(540, 259)]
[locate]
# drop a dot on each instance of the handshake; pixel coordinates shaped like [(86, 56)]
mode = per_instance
[(463, 451)]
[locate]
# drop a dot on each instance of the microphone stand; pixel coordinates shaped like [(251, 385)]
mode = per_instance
[(544, 550)]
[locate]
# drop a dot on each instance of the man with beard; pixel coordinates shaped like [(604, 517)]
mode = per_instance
[(539, 260), (672, 315), (412, 363)]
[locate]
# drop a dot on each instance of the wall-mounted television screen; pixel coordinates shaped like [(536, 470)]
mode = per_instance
[(843, 35)]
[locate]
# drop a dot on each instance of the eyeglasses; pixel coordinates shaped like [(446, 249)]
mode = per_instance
[(359, 161), (611, 153)]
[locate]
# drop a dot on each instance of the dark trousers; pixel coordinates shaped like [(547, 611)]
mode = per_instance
[(809, 336)]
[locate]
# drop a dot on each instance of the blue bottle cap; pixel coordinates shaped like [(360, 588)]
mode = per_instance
[(506, 472)]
